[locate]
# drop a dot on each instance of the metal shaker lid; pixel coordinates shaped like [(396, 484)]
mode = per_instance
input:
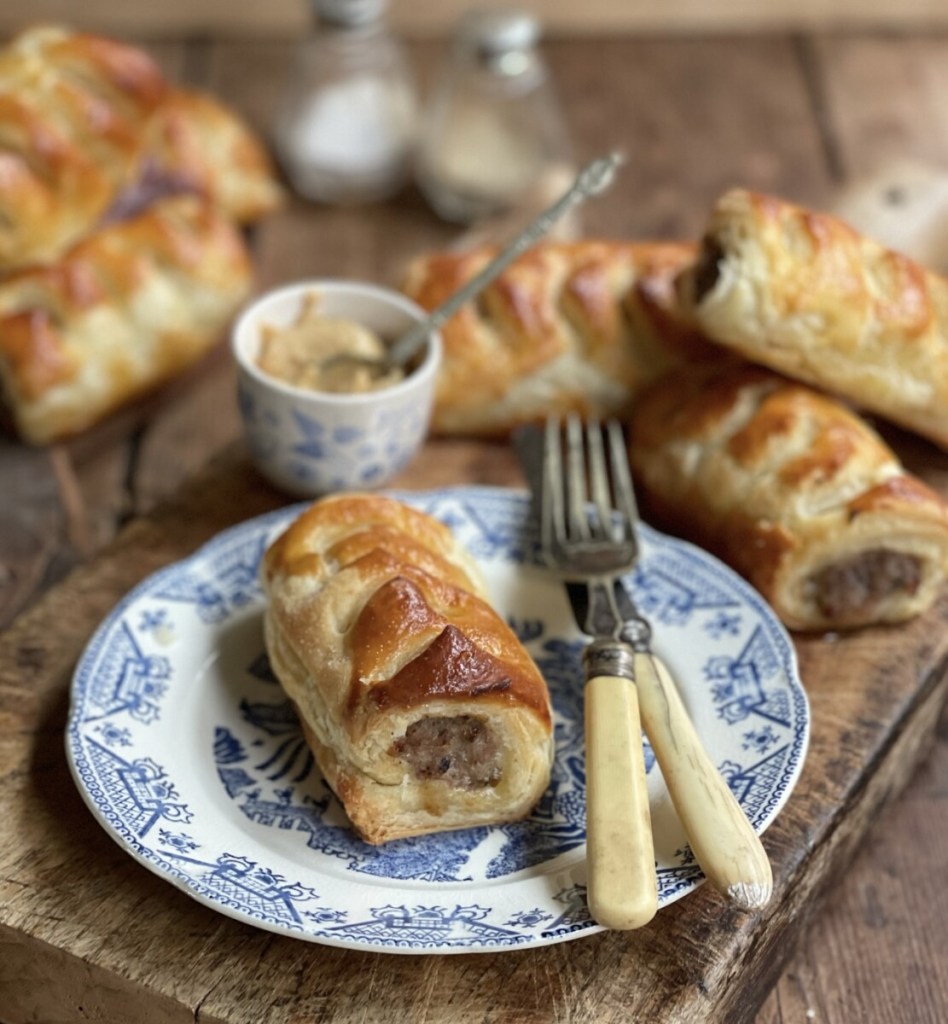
[(349, 13), (491, 32)]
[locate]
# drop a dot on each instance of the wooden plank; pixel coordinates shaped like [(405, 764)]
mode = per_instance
[(865, 956), (879, 102), (694, 117), (64, 502), (704, 119), (287, 18), (32, 526), (43, 971), (885, 102), (68, 888)]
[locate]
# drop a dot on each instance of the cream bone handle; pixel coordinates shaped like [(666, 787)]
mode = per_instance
[(622, 888), (725, 845)]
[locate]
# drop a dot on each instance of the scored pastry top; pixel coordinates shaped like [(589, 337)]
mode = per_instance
[(411, 605), (569, 326)]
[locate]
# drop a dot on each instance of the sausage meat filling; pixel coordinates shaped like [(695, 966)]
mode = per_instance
[(460, 750), (707, 267), (858, 584)]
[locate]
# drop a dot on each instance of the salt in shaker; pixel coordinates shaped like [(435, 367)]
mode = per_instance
[(345, 129)]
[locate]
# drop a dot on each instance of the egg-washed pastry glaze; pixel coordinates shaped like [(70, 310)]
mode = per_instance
[(794, 490), (127, 309), (805, 294), (568, 327), (422, 708)]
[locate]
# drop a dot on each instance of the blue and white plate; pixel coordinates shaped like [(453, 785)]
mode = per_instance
[(188, 754)]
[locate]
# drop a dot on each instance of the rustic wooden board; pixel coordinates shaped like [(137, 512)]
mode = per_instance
[(111, 935), (121, 945), (877, 100), (437, 17), (865, 957)]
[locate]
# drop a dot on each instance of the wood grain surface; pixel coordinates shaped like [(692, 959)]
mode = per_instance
[(87, 934), (420, 18)]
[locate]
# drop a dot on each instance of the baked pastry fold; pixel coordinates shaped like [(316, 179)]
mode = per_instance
[(120, 260), (124, 311), (793, 490), (568, 327), (422, 709), (73, 112), (803, 293), (195, 143), (91, 131)]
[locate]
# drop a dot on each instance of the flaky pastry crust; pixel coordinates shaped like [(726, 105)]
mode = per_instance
[(121, 313), (423, 710), (795, 491), (90, 129), (197, 143), (805, 294), (578, 326), (73, 112)]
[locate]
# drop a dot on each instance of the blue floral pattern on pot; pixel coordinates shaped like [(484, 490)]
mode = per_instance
[(361, 447)]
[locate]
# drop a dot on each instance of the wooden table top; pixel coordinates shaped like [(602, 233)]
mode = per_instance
[(800, 116)]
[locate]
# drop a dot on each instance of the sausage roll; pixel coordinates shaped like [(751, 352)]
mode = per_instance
[(122, 312), (73, 113), (91, 132), (805, 294), (792, 489), (196, 143), (568, 327), (423, 710)]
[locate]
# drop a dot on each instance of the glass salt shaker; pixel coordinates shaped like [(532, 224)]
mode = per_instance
[(345, 130), (493, 128)]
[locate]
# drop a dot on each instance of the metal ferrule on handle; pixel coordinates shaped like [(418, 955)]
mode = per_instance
[(609, 658)]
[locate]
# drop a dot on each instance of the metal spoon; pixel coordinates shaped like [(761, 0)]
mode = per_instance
[(594, 178)]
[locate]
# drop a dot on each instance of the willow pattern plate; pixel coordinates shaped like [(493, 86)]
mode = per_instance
[(186, 751)]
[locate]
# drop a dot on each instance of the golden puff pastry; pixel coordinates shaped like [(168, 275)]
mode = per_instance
[(423, 710), (73, 112), (91, 132), (792, 489), (578, 326), (121, 313), (805, 294), (196, 143)]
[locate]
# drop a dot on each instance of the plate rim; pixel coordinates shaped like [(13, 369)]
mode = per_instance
[(265, 522)]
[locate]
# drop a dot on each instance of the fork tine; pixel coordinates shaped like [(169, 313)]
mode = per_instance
[(553, 517), (576, 494), (622, 479), (599, 480), (574, 538)]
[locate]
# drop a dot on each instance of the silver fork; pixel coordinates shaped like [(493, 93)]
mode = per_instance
[(588, 534), (589, 524)]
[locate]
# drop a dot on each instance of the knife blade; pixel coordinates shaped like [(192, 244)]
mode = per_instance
[(630, 626), (527, 443)]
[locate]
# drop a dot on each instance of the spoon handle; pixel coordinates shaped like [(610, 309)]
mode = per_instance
[(591, 180)]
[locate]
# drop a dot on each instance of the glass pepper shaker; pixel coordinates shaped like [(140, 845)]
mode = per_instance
[(493, 128), (345, 130)]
